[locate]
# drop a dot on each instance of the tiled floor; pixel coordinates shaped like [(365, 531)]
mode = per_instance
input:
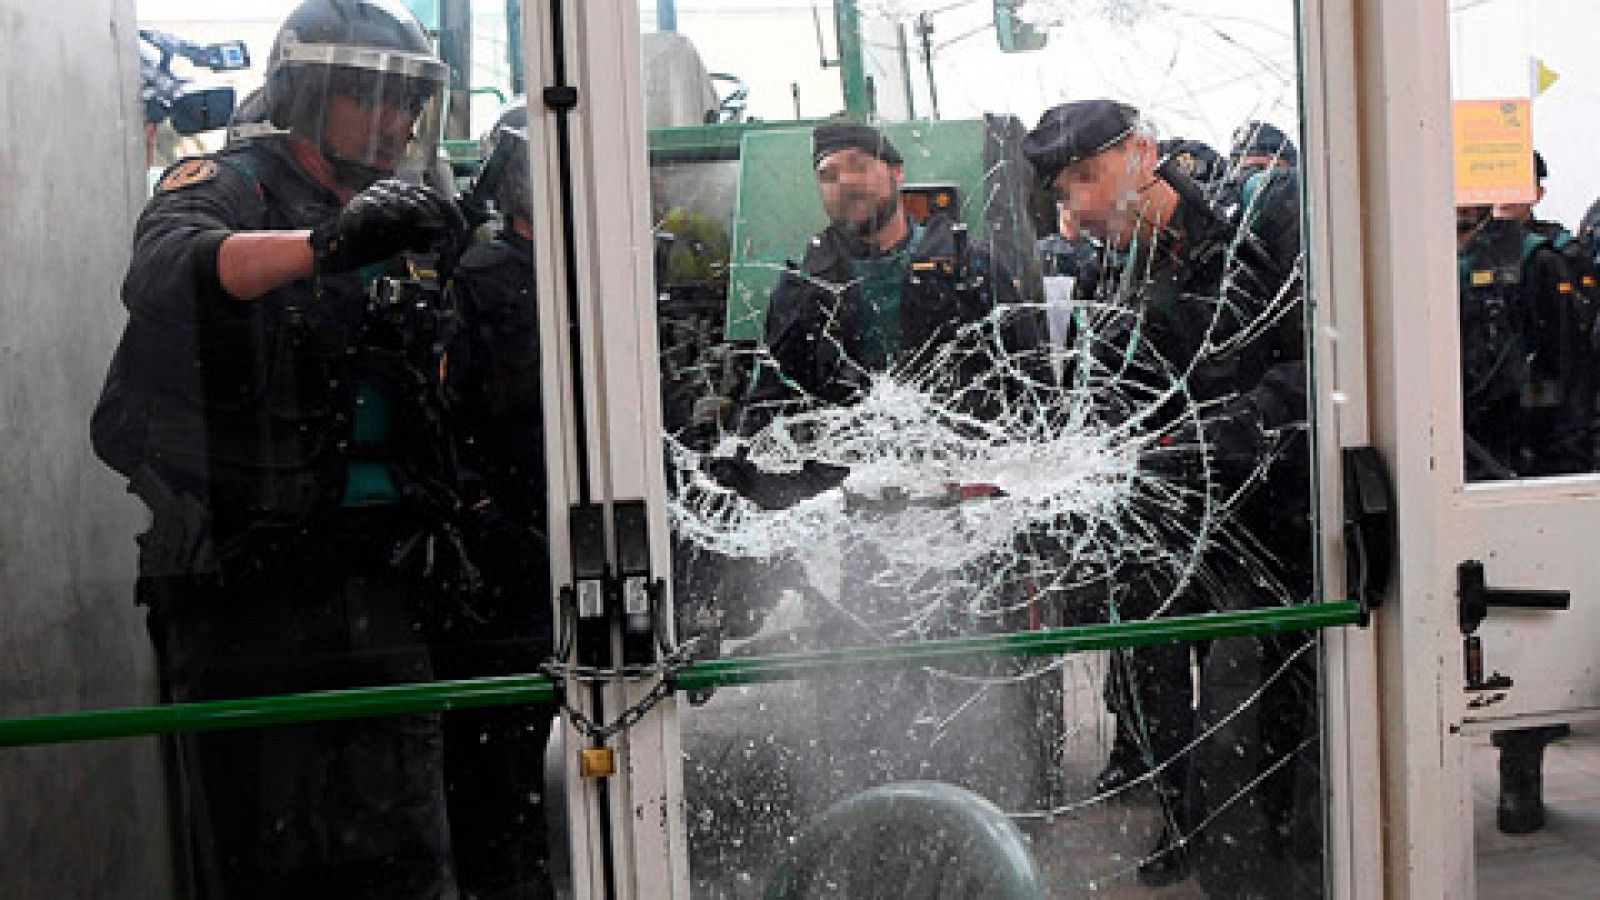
[(1560, 861)]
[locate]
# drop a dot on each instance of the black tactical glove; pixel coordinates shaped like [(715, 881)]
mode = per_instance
[(382, 221)]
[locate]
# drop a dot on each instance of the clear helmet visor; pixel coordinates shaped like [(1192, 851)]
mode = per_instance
[(372, 108)]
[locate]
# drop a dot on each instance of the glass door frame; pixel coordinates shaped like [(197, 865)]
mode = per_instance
[(1416, 420), (607, 379)]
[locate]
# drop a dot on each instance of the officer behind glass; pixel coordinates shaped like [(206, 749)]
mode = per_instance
[(1189, 280), (494, 756), (879, 292), (863, 300), (282, 425), (1527, 400)]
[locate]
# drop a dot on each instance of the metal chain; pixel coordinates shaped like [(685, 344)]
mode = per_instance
[(663, 670), (630, 717)]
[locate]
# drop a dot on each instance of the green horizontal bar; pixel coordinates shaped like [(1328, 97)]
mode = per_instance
[(285, 709), (1054, 641), (511, 690)]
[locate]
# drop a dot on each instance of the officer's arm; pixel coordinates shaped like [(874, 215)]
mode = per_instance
[(789, 349), (1249, 431), (252, 263), (178, 263)]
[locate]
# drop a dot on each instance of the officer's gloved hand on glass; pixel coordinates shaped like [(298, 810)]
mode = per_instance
[(387, 218)]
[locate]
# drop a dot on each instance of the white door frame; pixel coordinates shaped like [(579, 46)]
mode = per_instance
[(1413, 328), (614, 355), (616, 312), (1416, 420)]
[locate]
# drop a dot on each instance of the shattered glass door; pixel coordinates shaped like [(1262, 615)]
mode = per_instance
[(966, 342)]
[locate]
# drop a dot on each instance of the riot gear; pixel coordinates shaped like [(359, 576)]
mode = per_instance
[(504, 151), (358, 79), (381, 221)]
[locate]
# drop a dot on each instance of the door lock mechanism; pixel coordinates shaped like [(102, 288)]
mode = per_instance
[(1476, 598)]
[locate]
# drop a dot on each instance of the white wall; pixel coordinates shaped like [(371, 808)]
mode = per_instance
[(76, 821)]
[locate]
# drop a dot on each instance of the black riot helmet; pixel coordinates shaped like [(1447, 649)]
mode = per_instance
[(504, 151), (359, 79)]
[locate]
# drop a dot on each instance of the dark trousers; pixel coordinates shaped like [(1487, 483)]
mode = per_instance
[(494, 758), (348, 809), (1150, 691), (1255, 790)]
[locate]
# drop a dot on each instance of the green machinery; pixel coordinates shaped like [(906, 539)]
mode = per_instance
[(734, 200)]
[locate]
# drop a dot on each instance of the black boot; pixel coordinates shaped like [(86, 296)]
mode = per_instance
[(1521, 808), (1124, 766)]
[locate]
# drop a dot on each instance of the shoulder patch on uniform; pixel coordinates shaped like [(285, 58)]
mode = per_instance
[(186, 173)]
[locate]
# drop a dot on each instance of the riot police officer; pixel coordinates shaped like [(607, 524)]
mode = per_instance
[(494, 756), (1190, 280), (284, 431), (1259, 153), (1526, 386), (875, 290)]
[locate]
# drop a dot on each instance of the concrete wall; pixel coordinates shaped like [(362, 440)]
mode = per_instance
[(76, 821)]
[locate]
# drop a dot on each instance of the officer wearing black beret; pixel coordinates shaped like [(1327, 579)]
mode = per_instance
[(1193, 280), (875, 289), (881, 292), (1073, 132), (829, 139)]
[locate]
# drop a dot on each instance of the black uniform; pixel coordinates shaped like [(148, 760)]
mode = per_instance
[(828, 330), (1211, 304), (291, 465), (1527, 389), (494, 757)]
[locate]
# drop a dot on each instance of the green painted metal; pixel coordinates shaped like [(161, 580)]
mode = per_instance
[(701, 143), (779, 209), (526, 689), (1054, 641), (852, 60), (286, 709)]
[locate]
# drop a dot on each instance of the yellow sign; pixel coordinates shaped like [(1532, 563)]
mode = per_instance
[(1494, 152)]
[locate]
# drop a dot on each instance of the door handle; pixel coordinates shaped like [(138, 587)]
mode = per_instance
[(1476, 599), (1368, 527)]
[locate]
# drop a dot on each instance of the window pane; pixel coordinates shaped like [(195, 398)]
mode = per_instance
[(971, 342)]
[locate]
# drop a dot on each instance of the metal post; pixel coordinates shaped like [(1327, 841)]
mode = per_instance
[(904, 51), (455, 48), (852, 65), (925, 31)]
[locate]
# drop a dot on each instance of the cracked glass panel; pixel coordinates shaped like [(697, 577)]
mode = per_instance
[(979, 320)]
